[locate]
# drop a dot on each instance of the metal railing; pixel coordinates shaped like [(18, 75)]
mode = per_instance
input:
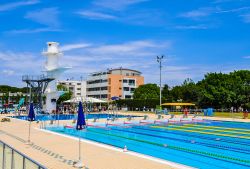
[(13, 159)]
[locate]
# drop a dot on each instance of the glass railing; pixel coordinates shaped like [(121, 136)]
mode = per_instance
[(13, 159)]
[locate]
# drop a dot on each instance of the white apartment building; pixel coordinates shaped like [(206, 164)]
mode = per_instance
[(78, 88)]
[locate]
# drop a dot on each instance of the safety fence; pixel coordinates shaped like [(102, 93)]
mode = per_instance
[(13, 159)]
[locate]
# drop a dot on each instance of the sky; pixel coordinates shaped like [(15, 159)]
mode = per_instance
[(195, 37)]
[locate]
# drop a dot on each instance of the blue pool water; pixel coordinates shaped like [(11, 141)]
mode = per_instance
[(213, 144), (70, 116)]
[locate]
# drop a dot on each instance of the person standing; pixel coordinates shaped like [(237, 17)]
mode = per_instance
[(185, 112), (245, 114)]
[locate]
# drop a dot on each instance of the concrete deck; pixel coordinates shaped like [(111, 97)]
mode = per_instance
[(56, 151)]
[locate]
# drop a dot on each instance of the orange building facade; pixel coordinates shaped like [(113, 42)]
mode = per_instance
[(119, 82)]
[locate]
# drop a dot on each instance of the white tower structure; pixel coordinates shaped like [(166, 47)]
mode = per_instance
[(53, 71)]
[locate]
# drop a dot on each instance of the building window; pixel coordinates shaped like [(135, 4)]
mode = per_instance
[(78, 88), (126, 89), (104, 88), (125, 81), (131, 82), (78, 83), (132, 89), (104, 96), (127, 97), (78, 94)]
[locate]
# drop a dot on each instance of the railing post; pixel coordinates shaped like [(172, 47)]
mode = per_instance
[(24, 162), (12, 158), (3, 156)]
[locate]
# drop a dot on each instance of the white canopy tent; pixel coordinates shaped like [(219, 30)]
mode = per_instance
[(85, 99)]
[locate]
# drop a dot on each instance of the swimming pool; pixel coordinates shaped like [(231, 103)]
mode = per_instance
[(72, 116), (213, 144)]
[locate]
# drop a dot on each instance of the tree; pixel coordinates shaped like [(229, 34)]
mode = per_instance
[(66, 96), (189, 91), (225, 90), (166, 93), (147, 91)]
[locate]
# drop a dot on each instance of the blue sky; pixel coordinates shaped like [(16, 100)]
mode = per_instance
[(196, 37)]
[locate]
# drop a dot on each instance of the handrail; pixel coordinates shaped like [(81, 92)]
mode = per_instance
[(39, 166)]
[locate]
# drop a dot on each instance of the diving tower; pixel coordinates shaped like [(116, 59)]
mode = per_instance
[(37, 86), (53, 70)]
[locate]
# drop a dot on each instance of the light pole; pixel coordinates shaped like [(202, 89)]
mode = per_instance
[(159, 60)]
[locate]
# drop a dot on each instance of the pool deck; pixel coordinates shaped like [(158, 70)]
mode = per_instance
[(56, 151)]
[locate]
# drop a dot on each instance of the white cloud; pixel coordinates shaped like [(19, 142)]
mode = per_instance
[(97, 57), (21, 62), (233, 10), (246, 57), (128, 50), (175, 75), (96, 15), (139, 17), (10, 6), (46, 16), (37, 30), (199, 13), (225, 1), (8, 72), (116, 5), (74, 46), (191, 27), (246, 18)]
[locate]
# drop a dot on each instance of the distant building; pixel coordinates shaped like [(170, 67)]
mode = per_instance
[(119, 82), (78, 88)]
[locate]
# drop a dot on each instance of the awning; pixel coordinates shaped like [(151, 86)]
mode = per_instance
[(178, 104), (85, 99)]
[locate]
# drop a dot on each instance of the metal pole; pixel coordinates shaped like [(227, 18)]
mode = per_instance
[(3, 156), (30, 95), (29, 132), (160, 82), (12, 158), (79, 147), (159, 60), (79, 163)]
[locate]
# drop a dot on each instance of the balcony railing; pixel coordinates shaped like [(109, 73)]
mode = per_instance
[(11, 158)]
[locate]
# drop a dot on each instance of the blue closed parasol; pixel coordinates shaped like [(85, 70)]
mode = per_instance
[(31, 115), (81, 123)]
